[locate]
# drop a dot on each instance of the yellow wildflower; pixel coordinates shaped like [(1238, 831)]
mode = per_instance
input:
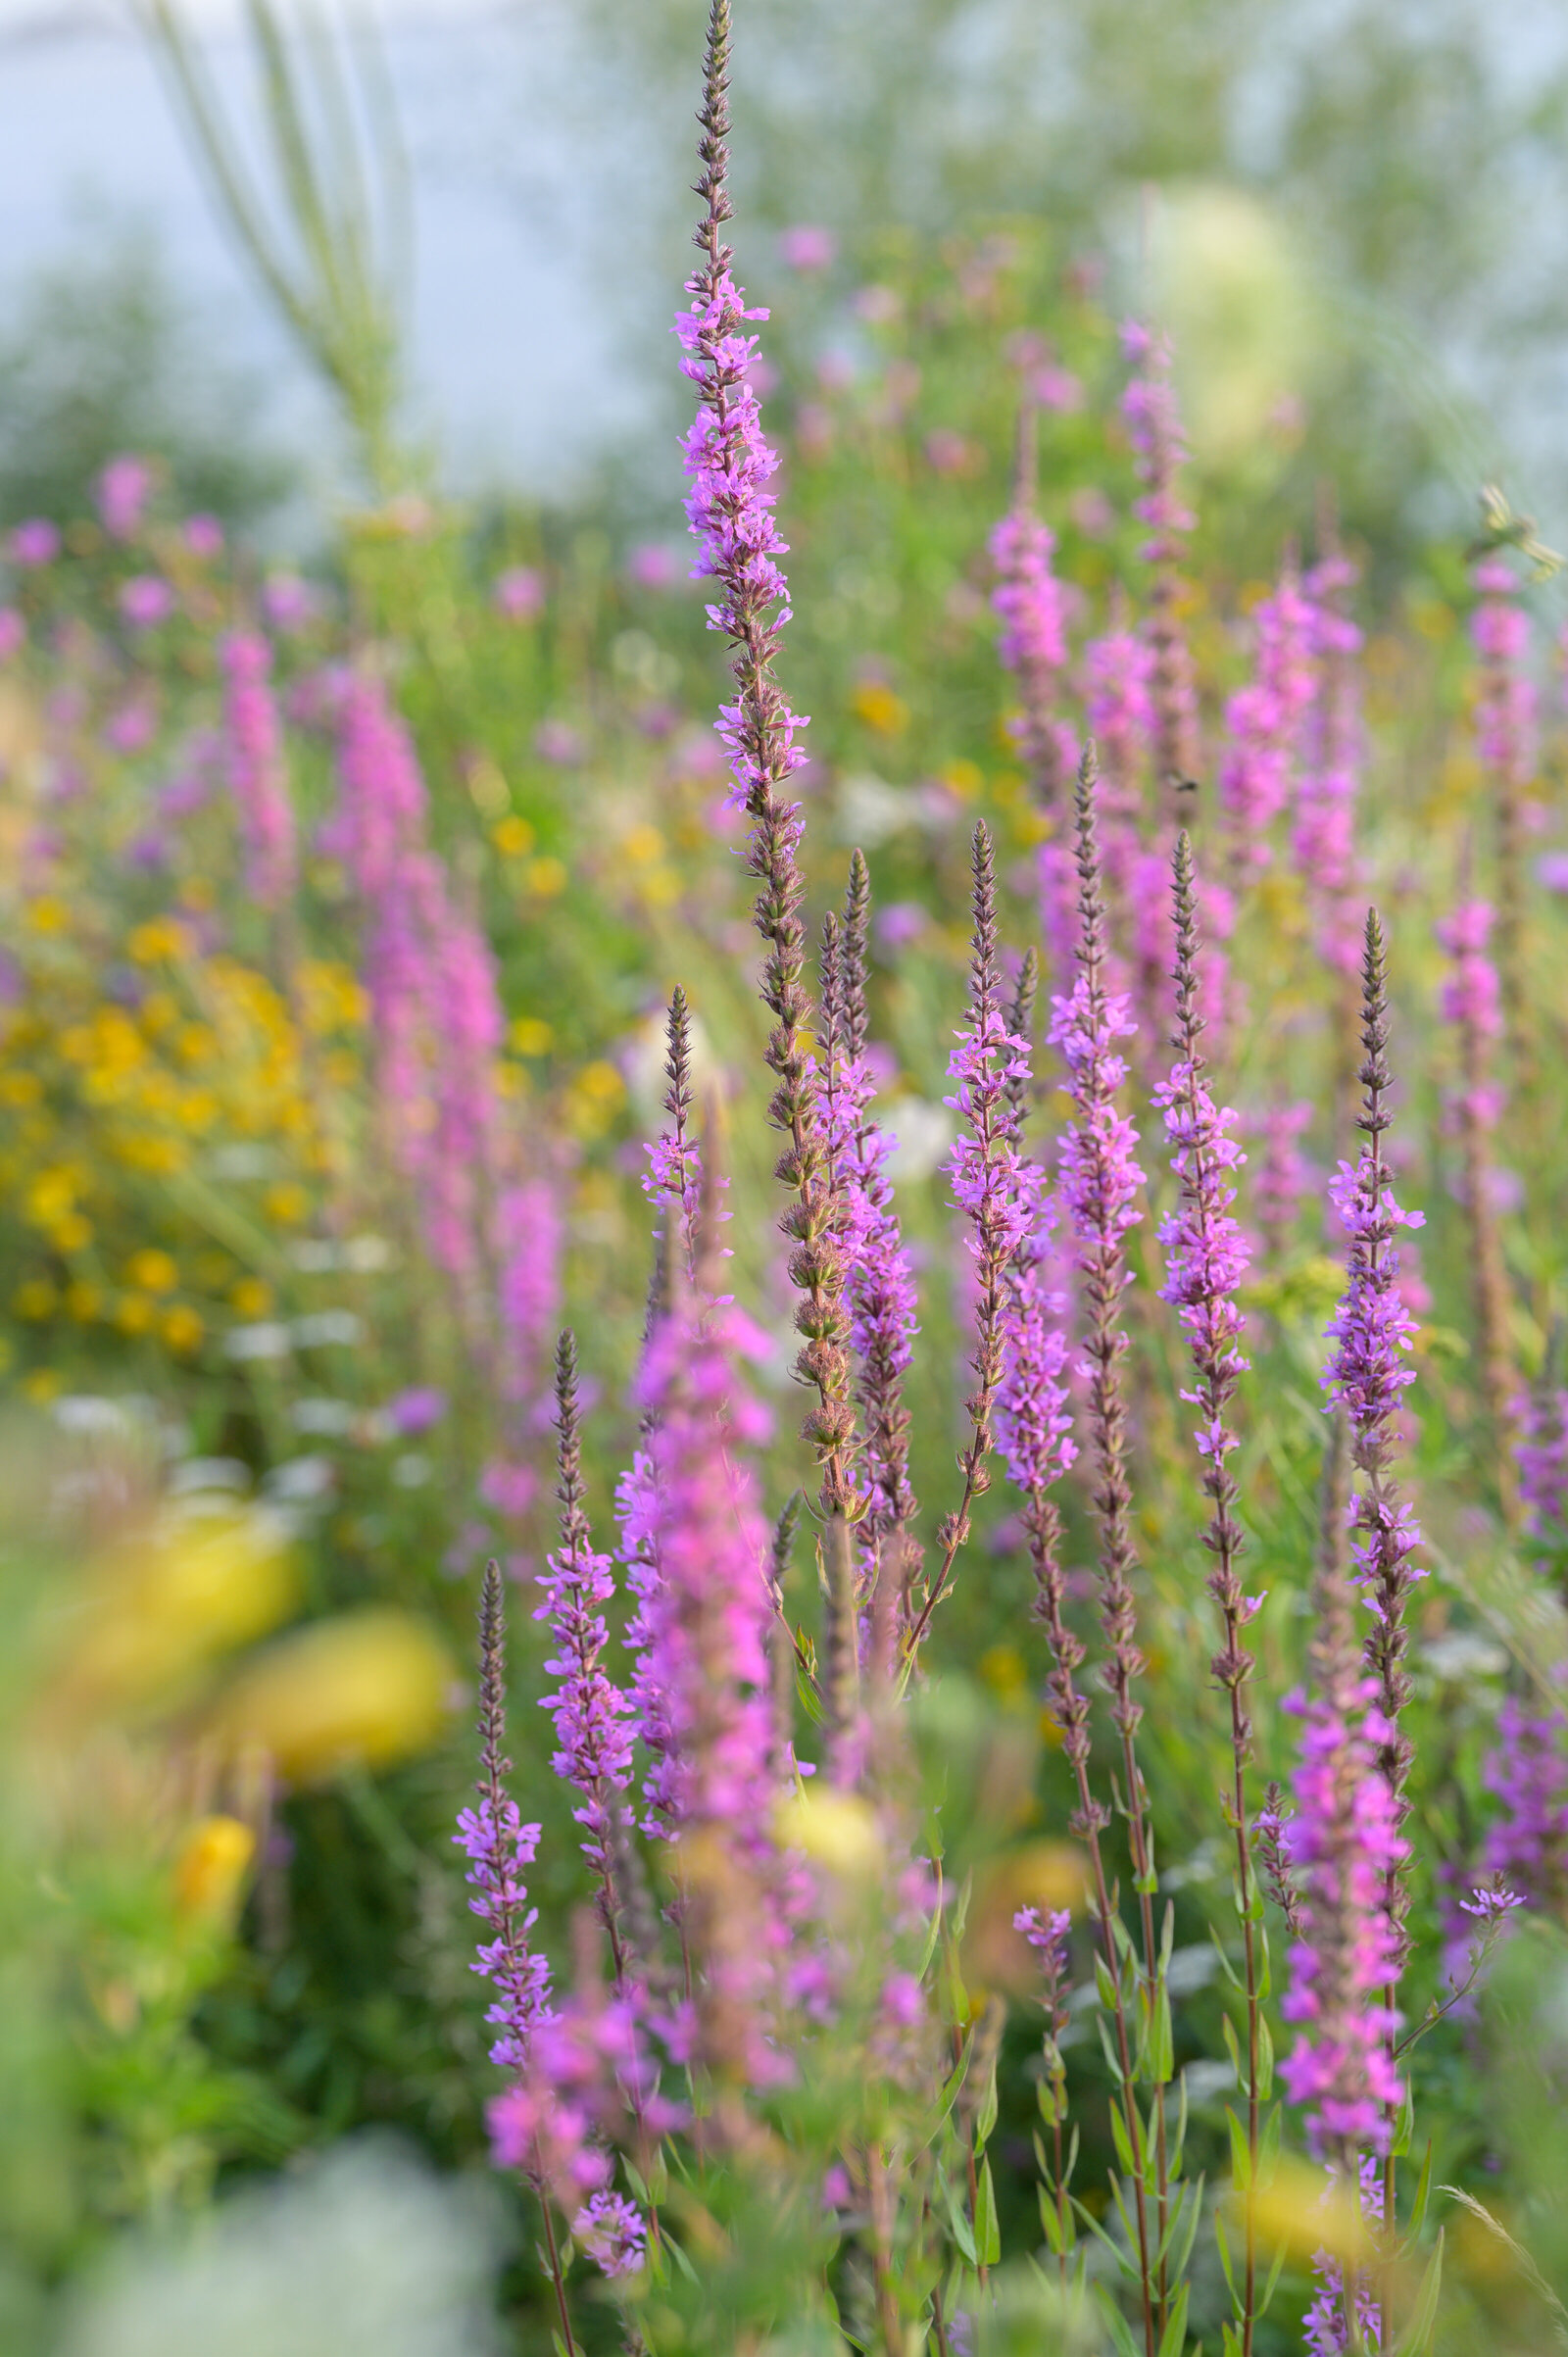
[(546, 877), (182, 1326), (367, 1687), (154, 1271), (251, 1298), (531, 1036), (134, 1312), (35, 1299), (514, 838), (211, 1868), (880, 709), (287, 1203)]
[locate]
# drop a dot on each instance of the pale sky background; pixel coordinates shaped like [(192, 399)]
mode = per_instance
[(513, 369)]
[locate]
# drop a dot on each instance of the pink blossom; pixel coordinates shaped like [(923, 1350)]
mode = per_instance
[(124, 488), (807, 248), (518, 593)]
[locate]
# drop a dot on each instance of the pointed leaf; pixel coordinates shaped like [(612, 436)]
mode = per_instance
[(1174, 2337), (1418, 2331), (986, 2232)]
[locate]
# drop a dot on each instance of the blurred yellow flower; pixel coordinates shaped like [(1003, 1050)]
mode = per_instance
[(252, 1297), (157, 1610), (46, 914), (43, 1384), (152, 1270), (182, 1326), (962, 777), (367, 1688), (545, 877), (209, 1869), (135, 1312), (84, 1302), (163, 938), (834, 1830), (880, 709), (530, 1035), (514, 838), (288, 1201), (1304, 2211), (35, 1299), (602, 1083), (643, 846)]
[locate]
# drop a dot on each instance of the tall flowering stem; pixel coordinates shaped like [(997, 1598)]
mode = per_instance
[(1366, 1376), (591, 1714), (1205, 1259), (498, 1847), (1323, 831), (1028, 602), (879, 1278), (1034, 1439), (985, 1171), (1153, 421), (674, 1178), (1471, 1001), (1263, 721), (1505, 739), (1345, 1849), (730, 510), (705, 1624), (256, 776), (1100, 1184)]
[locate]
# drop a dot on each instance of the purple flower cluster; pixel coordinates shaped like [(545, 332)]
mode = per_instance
[(729, 509), (1371, 1330), (1471, 997), (431, 978), (1323, 833), (1154, 424), (1345, 1846), (1527, 1845), (1284, 1174), (1028, 602), (591, 1714), (1206, 1255), (1542, 1455), (1326, 2327), (253, 760), (1505, 715), (1263, 721), (1034, 1422), (1100, 1174)]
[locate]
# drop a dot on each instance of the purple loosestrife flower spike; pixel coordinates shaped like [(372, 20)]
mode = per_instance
[(1505, 740), (879, 1279), (674, 1179), (590, 1712), (1471, 1002), (1323, 831), (256, 776), (1346, 1850), (1205, 1259), (730, 509), (497, 1845), (1154, 425), (1264, 720), (1100, 1182), (1028, 602), (1366, 1376), (989, 1065), (707, 1626)]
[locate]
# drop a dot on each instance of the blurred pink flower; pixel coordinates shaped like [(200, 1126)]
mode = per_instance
[(518, 593), (653, 564), (807, 248), (145, 600), (946, 451), (203, 535), (287, 601), (123, 492), (556, 742), (34, 542), (878, 305), (13, 632)]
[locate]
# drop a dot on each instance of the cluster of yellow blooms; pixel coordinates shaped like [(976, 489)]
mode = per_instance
[(118, 1107)]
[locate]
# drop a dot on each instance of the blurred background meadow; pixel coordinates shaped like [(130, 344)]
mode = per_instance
[(338, 442)]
